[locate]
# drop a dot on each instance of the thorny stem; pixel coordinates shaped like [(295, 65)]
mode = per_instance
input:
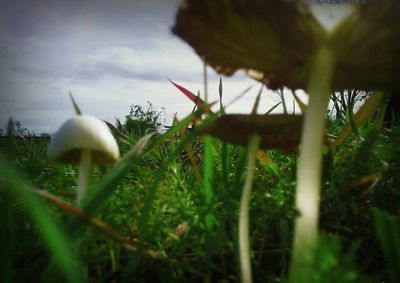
[(84, 174), (244, 241), (310, 166)]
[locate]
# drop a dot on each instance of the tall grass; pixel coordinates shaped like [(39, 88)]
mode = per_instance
[(152, 218)]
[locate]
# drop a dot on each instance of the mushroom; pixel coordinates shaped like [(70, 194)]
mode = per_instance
[(282, 44), (83, 140)]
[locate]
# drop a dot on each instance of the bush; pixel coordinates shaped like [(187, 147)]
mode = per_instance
[(141, 121)]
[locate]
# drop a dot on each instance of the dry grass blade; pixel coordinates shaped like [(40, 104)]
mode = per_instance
[(195, 106), (362, 115), (264, 158), (126, 242), (181, 132), (193, 161), (179, 232)]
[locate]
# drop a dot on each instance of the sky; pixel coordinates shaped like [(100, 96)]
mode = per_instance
[(109, 55)]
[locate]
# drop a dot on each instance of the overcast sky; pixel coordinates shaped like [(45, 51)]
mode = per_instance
[(108, 54)]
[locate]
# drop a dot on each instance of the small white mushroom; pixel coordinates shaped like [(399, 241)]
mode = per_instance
[(83, 140)]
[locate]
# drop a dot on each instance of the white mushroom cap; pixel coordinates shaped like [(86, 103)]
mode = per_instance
[(83, 132)]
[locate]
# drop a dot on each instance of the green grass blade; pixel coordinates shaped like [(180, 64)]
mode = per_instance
[(362, 115), (148, 203), (153, 189), (50, 230), (179, 126), (225, 154), (121, 136), (208, 169), (207, 180), (388, 230), (115, 175), (7, 247), (76, 107)]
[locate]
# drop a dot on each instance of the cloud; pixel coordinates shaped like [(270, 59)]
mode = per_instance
[(109, 54), (162, 60)]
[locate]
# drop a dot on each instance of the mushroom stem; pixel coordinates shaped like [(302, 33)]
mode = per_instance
[(244, 241), (310, 166), (84, 174)]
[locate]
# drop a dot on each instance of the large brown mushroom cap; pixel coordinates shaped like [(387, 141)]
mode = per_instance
[(274, 40), (367, 48)]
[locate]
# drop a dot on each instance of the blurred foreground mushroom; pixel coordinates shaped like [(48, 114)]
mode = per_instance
[(83, 140), (282, 44)]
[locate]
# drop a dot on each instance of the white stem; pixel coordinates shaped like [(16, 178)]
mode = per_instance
[(244, 241), (310, 167), (84, 175)]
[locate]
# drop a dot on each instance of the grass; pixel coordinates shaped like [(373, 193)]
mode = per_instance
[(169, 211)]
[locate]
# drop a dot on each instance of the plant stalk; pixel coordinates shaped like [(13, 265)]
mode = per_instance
[(244, 240), (310, 167), (205, 79), (84, 175)]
